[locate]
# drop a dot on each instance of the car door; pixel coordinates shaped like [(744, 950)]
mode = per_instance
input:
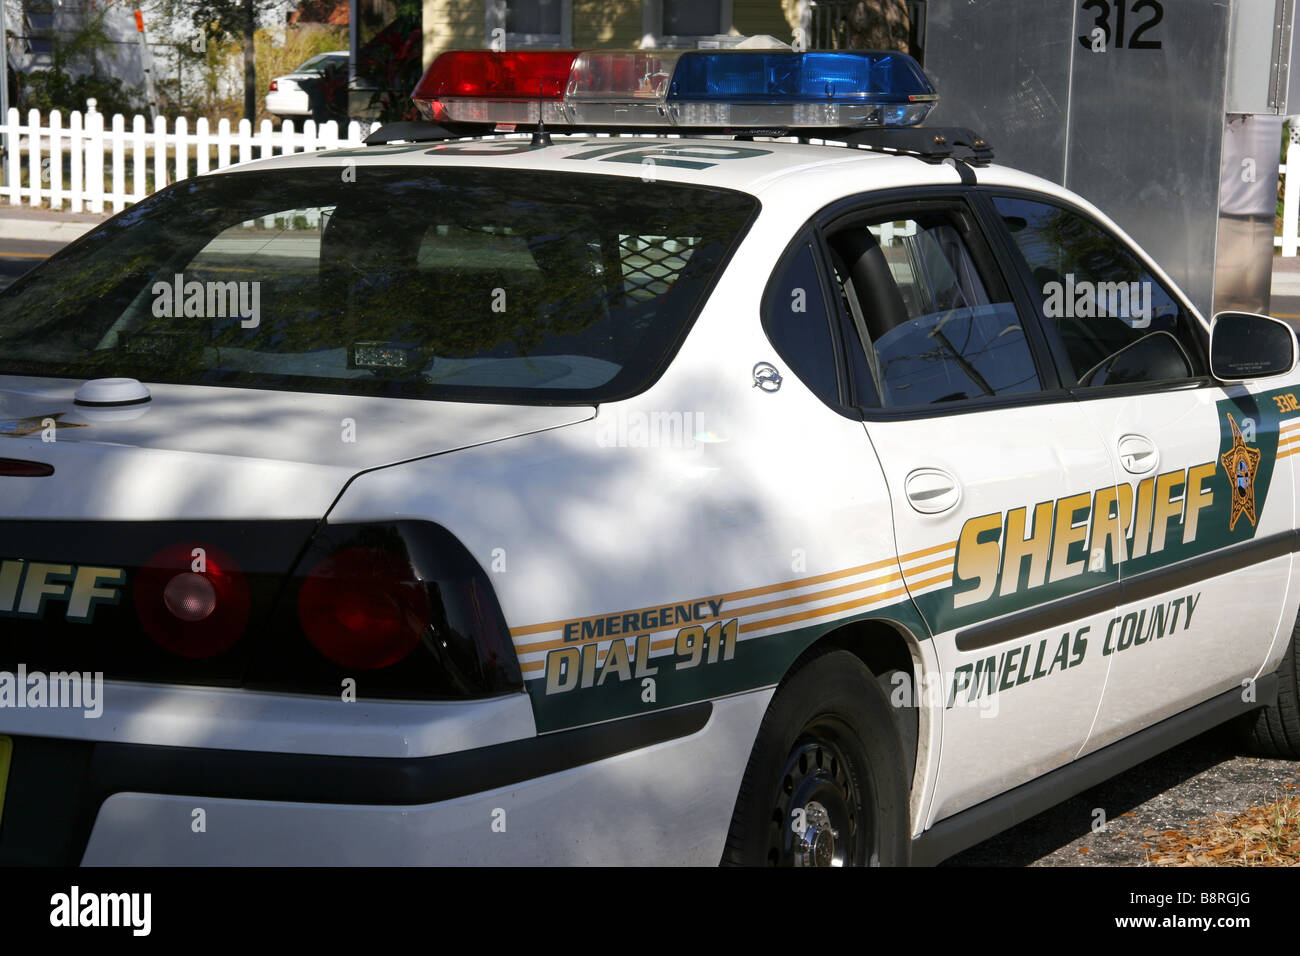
[(1206, 497), (992, 470)]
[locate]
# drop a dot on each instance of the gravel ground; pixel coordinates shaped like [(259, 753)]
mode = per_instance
[(1204, 776)]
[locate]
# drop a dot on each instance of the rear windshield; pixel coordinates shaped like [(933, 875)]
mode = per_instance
[(320, 61), (417, 282)]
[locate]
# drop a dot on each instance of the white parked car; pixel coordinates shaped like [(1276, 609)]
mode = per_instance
[(287, 99), (557, 498)]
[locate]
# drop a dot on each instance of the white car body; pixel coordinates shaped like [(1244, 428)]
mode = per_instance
[(777, 513)]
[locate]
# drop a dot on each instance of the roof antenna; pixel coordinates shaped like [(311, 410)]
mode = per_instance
[(541, 136)]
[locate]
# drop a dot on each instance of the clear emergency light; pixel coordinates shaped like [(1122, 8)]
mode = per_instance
[(620, 89), (697, 89)]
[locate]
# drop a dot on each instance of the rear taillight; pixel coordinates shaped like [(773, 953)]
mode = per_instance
[(364, 608), (274, 86), (390, 609), (192, 599), (395, 609)]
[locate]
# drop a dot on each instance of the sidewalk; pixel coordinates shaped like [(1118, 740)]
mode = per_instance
[(34, 224), (1286, 276)]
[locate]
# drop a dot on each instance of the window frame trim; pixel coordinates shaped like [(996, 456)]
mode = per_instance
[(515, 41), (987, 194), (652, 25)]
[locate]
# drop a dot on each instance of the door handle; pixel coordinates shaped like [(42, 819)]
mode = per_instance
[(931, 491), (1138, 455)]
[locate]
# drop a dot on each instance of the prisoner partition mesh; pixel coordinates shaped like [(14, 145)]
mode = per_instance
[(651, 264)]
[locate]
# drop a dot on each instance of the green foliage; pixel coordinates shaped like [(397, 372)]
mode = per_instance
[(54, 89), (224, 19), (393, 60)]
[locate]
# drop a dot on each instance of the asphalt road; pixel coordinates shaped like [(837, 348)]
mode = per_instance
[(19, 255), (1286, 307)]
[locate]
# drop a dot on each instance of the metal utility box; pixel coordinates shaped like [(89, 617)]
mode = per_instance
[(1122, 101), (1260, 77)]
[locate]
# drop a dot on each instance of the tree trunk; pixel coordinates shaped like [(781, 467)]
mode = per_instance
[(250, 62)]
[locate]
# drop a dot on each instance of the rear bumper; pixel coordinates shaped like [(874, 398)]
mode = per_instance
[(658, 788), (291, 103)]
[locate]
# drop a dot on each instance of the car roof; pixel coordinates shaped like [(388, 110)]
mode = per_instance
[(771, 169)]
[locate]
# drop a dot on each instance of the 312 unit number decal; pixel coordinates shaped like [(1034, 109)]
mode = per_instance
[(1109, 25)]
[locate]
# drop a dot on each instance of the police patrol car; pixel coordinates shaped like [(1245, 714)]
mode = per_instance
[(774, 481)]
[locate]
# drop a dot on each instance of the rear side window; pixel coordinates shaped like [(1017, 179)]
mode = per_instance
[(934, 328), (1114, 322), (422, 282), (797, 320)]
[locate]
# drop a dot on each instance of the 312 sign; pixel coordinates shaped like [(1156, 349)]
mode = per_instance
[(1099, 38)]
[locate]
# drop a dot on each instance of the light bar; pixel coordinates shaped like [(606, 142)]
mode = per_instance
[(691, 89)]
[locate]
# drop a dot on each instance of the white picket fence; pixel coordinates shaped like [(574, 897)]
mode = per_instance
[(1289, 241), (84, 164)]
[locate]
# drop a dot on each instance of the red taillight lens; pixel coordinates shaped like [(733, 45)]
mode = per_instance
[(484, 74), (274, 86), (190, 597), (193, 600), (363, 608)]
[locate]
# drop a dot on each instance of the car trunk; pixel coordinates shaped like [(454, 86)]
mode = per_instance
[(230, 483)]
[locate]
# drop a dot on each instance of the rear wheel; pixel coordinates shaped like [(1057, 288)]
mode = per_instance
[(825, 784), (1275, 730)]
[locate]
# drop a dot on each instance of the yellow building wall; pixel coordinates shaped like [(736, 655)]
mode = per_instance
[(453, 25), (607, 23), (461, 24), (776, 18)]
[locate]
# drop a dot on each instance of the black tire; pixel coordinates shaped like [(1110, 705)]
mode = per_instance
[(828, 746), (1275, 730)]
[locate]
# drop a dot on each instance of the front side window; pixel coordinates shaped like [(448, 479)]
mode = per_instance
[(1115, 324), (463, 284), (323, 62), (935, 328)]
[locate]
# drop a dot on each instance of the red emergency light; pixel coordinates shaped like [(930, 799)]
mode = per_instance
[(476, 86)]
